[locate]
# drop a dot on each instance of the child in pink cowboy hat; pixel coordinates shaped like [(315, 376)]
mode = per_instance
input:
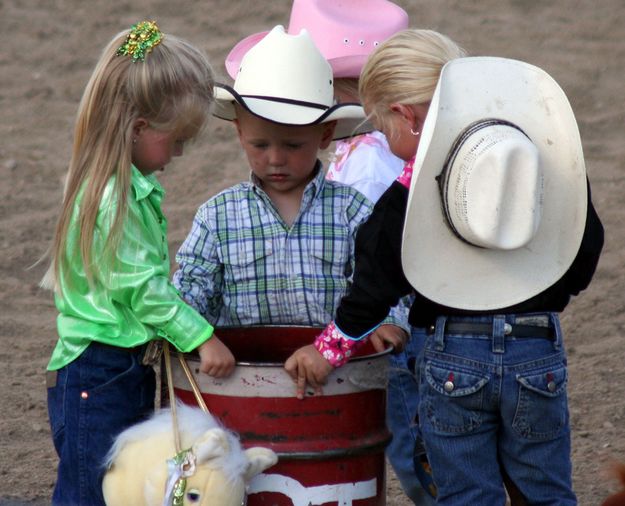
[(346, 33)]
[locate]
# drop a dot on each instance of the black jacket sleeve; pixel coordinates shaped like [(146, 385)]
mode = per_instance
[(379, 280)]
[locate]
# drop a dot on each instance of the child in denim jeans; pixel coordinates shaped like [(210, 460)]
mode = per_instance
[(493, 234), (149, 93)]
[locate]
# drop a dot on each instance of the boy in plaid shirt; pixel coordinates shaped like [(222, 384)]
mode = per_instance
[(279, 249)]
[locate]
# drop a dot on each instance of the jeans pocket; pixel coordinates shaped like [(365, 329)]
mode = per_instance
[(116, 381), (453, 396), (56, 407), (542, 410), (103, 366)]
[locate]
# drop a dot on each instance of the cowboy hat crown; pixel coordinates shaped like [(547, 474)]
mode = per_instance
[(285, 79)]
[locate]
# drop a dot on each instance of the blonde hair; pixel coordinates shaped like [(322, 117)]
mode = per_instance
[(172, 89), (404, 69)]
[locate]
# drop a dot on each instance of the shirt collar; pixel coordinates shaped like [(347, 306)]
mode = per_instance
[(144, 185), (317, 182)]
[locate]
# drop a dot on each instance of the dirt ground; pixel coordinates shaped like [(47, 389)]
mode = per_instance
[(47, 51)]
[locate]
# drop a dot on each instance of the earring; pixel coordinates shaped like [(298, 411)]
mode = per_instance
[(134, 141), (414, 133)]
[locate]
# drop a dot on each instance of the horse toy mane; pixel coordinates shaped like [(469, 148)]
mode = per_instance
[(142, 464), (617, 499)]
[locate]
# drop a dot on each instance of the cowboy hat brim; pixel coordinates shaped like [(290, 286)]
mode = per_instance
[(349, 117), (437, 263)]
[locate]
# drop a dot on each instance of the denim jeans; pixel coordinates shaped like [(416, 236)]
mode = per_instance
[(401, 416), (96, 396), (493, 399)]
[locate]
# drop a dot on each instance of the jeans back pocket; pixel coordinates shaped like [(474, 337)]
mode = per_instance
[(453, 397), (542, 405)]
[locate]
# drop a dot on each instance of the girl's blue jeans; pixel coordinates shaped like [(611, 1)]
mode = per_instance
[(96, 396), (401, 416), (491, 400)]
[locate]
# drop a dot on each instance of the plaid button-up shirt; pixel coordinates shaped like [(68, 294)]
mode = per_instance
[(242, 265)]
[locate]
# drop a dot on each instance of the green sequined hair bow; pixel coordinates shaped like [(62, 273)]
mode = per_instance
[(143, 37)]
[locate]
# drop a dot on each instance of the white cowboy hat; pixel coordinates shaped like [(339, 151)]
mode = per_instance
[(497, 204), (285, 79)]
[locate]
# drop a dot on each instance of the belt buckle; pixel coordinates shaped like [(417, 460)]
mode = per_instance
[(152, 353)]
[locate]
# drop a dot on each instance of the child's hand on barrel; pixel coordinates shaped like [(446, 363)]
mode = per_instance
[(386, 335), (307, 366), (215, 358)]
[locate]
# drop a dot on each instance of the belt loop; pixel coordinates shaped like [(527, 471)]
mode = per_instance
[(499, 322), (554, 320), (439, 333)]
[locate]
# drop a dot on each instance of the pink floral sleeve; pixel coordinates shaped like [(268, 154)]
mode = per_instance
[(331, 343), (335, 347)]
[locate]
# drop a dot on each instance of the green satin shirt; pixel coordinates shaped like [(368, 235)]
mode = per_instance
[(132, 300)]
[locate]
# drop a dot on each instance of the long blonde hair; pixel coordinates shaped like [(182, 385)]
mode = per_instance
[(404, 69), (172, 89)]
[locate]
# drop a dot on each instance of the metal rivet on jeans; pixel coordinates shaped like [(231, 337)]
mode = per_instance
[(507, 329), (449, 386), (84, 395), (551, 386)]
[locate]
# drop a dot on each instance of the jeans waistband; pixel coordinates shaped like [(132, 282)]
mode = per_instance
[(134, 349)]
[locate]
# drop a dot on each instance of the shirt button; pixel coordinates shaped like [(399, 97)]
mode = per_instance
[(449, 386)]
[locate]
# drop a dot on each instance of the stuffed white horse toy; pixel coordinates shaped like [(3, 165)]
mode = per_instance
[(143, 468)]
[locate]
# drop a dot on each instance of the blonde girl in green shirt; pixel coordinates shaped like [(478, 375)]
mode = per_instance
[(148, 95)]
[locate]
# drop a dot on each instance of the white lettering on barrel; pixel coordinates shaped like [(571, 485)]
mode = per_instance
[(342, 493)]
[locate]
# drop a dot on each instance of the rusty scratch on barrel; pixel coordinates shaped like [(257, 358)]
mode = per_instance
[(265, 380)]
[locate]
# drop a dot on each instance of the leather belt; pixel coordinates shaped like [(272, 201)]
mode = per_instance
[(511, 330)]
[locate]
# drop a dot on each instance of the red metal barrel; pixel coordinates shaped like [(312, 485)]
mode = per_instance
[(330, 447)]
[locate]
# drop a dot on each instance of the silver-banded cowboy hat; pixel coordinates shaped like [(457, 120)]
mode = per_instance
[(285, 79), (497, 204)]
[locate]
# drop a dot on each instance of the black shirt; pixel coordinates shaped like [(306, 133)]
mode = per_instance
[(379, 281)]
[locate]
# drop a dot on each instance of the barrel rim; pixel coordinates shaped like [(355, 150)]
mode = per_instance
[(195, 355)]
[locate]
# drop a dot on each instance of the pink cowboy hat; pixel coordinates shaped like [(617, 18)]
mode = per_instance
[(345, 32)]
